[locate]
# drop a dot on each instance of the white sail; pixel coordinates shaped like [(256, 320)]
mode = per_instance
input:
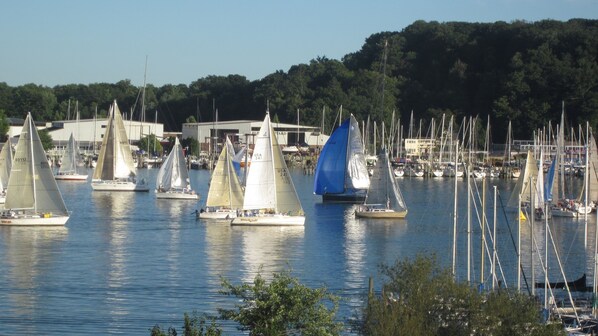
[(287, 200), (384, 198), (357, 173), (33, 197), (115, 169), (522, 187), (70, 162), (269, 188), (260, 189), (5, 164), (173, 173), (173, 178), (70, 157), (225, 188), (115, 159)]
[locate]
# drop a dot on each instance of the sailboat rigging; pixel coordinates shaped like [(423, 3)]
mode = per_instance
[(225, 195), (115, 170), (32, 196), (70, 162), (384, 198), (341, 172), (173, 177), (270, 197)]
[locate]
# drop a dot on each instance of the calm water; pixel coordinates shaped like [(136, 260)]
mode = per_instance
[(126, 261)]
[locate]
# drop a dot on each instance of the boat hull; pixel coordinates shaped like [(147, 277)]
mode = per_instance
[(34, 220), (344, 198), (563, 213), (73, 177), (269, 220), (381, 214), (118, 186), (176, 195), (218, 214)]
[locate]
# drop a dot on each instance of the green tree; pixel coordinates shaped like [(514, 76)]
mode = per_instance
[(4, 126), (420, 298), (196, 325), (46, 139), (282, 307), (191, 146), (150, 144)]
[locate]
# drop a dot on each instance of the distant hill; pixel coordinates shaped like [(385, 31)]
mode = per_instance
[(519, 71)]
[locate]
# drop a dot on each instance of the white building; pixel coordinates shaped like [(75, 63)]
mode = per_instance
[(418, 147), (87, 131), (244, 131)]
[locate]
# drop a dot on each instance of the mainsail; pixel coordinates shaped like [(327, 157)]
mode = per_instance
[(225, 188), (383, 186), (70, 158), (31, 184), (269, 184), (530, 171), (115, 160), (173, 173)]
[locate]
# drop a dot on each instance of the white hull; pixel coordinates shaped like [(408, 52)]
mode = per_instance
[(118, 186), (218, 214), (438, 173), (381, 213), (31, 220), (71, 177), (269, 220), (583, 210), (176, 195)]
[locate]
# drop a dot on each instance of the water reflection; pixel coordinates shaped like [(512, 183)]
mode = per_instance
[(29, 256), (219, 250), (115, 207), (355, 249), (271, 248)]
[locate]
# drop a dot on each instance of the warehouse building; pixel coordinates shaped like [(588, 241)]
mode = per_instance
[(243, 132)]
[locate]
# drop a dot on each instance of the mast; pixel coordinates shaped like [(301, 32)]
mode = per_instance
[(494, 254), (455, 215), (95, 117), (468, 222)]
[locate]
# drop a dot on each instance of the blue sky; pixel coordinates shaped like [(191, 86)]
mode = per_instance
[(83, 41)]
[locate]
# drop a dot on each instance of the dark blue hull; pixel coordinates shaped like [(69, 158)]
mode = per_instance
[(344, 198)]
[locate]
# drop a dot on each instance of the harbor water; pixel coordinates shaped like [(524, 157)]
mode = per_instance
[(126, 261)]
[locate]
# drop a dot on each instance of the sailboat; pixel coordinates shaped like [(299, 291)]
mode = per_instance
[(341, 172), (270, 197), (115, 170), (384, 198), (523, 187), (225, 195), (173, 177), (70, 160), (32, 197), (5, 165)]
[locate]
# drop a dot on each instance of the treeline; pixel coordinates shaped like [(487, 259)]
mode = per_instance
[(516, 71)]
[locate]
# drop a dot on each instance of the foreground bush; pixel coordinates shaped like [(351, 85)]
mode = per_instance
[(282, 306), (420, 298)]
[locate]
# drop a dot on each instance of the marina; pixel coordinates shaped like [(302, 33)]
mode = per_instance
[(97, 273)]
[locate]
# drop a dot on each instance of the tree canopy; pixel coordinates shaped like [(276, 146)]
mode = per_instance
[(522, 72)]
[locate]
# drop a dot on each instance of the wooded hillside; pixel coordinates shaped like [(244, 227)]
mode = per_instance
[(515, 71)]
